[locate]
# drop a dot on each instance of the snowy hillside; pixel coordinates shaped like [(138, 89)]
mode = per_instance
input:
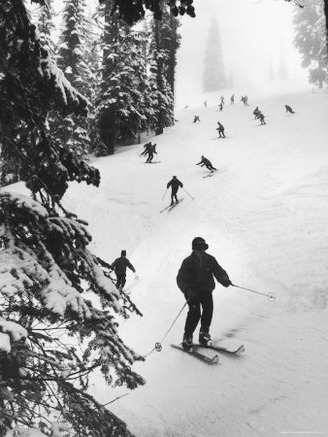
[(264, 216)]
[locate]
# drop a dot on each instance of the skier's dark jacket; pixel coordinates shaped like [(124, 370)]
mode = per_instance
[(194, 279), (120, 265), (205, 161), (175, 184)]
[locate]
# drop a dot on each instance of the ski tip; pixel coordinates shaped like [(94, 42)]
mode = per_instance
[(215, 359)]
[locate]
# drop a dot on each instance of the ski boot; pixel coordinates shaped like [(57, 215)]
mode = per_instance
[(187, 342), (204, 338)]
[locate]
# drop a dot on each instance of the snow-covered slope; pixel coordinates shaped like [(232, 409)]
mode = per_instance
[(264, 216)]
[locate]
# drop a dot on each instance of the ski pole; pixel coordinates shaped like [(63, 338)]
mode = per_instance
[(188, 193), (158, 345), (164, 194), (271, 296)]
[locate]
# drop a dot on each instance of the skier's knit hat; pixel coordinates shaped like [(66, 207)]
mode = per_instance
[(199, 243), (123, 252)]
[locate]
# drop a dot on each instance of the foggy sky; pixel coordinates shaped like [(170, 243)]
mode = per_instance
[(255, 36)]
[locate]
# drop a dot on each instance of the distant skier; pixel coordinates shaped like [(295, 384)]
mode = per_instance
[(261, 117), (256, 112), (205, 104), (289, 109), (220, 130), (207, 163), (175, 184), (150, 151), (244, 99), (221, 107), (222, 100), (232, 99), (119, 266), (145, 150), (196, 281), (196, 118)]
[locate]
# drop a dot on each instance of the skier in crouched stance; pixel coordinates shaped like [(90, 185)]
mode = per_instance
[(195, 280), (204, 161)]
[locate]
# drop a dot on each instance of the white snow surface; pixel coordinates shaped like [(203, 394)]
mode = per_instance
[(264, 216)]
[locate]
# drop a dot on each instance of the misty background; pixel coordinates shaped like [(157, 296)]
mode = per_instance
[(256, 41)]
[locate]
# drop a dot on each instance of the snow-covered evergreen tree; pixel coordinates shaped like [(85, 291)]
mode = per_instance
[(132, 11), (44, 17), (214, 77), (311, 40), (121, 111), (170, 42), (46, 265), (160, 93), (72, 58)]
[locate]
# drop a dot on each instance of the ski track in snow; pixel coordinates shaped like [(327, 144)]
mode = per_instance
[(264, 216)]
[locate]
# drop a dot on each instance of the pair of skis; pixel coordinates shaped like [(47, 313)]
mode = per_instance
[(195, 352), (210, 174), (170, 207)]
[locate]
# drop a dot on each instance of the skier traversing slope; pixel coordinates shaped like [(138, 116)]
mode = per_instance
[(207, 163), (145, 150), (261, 117), (175, 184), (119, 266), (196, 280), (220, 130), (150, 151), (289, 109), (256, 112)]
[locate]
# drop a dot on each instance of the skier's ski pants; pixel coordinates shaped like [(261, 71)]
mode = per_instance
[(200, 308), (121, 280), (174, 197)]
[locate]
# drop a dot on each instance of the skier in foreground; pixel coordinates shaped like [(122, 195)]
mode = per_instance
[(195, 280), (207, 163), (174, 184), (119, 266)]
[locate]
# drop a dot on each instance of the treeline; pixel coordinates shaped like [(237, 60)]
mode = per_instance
[(126, 73), (310, 26), (52, 337)]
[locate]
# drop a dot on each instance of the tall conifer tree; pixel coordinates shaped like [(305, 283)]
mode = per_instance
[(311, 40), (46, 265), (170, 42), (72, 59), (121, 112), (214, 77)]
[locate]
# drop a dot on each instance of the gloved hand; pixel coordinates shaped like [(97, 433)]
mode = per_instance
[(226, 282)]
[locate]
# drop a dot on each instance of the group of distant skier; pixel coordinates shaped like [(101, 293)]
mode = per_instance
[(197, 272)]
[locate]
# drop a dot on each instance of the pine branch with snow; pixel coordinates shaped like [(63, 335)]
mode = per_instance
[(45, 270)]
